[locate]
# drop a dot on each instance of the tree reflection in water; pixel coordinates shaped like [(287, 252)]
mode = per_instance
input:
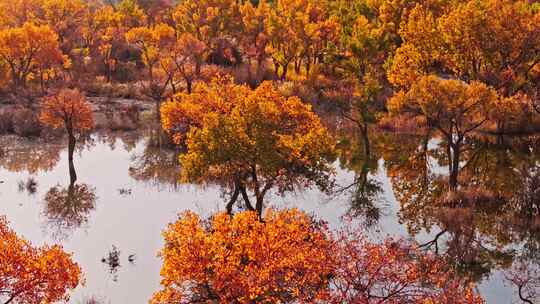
[(25, 155), (367, 202), (158, 164), (491, 222), (488, 221), (67, 209)]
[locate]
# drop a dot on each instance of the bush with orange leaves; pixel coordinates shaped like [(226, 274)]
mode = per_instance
[(243, 260), (291, 258), (34, 275)]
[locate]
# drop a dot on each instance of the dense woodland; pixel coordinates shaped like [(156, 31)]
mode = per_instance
[(243, 92)]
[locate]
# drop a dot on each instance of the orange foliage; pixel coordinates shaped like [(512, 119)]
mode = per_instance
[(299, 30), (68, 108), (291, 258), (188, 57), (494, 41), (30, 275), (452, 106), (393, 272), (243, 260), (29, 49), (187, 110), (153, 42)]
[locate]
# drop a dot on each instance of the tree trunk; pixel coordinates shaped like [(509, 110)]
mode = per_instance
[(245, 196), (71, 151), (158, 110), (259, 206), (189, 86), (258, 73), (276, 68), (453, 164), (308, 65), (42, 82), (365, 137), (233, 199), (297, 66), (284, 72)]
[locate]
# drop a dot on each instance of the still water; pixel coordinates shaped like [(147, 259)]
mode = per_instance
[(128, 193)]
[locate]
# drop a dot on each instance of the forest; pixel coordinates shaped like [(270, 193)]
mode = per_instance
[(270, 151)]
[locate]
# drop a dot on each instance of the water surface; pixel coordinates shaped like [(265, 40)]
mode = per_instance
[(129, 193)]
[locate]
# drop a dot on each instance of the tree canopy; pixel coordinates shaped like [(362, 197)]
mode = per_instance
[(248, 139), (31, 274)]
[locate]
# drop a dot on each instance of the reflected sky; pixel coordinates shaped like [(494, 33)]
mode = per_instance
[(133, 205)]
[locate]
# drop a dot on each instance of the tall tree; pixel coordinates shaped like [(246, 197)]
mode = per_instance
[(299, 31), (155, 43), (68, 109), (249, 140), (452, 107)]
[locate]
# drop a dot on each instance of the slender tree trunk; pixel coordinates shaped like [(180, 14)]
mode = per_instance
[(365, 137), (158, 109), (259, 206), (276, 69), (189, 86), (233, 199), (245, 196), (284, 72), (42, 82), (297, 65), (453, 161), (71, 151), (308, 66), (259, 69)]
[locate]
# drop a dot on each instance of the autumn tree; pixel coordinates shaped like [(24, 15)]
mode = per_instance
[(105, 31), (495, 42), (68, 109), (208, 20), (254, 38), (28, 50), (155, 44), (242, 260), (452, 107), (18, 12), (66, 19), (31, 274), (395, 271), (249, 140), (103, 36), (293, 258), (158, 11), (188, 56), (299, 31)]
